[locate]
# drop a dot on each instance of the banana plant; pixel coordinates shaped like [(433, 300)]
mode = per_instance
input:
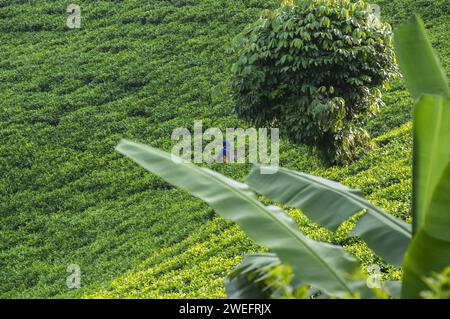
[(322, 266), (429, 251)]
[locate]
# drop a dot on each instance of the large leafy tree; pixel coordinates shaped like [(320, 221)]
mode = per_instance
[(314, 68)]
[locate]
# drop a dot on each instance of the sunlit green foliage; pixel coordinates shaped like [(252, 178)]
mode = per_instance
[(326, 269), (138, 69), (439, 285)]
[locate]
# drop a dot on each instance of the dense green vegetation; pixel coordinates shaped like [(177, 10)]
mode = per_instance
[(137, 70), (304, 68), (318, 268)]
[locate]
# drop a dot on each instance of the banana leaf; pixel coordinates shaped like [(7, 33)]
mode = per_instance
[(425, 76), (418, 63), (431, 151), (322, 265), (329, 204), (430, 249)]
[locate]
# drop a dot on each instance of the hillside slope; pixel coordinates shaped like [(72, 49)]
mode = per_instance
[(137, 70)]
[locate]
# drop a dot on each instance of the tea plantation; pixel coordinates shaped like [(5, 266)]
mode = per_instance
[(137, 70)]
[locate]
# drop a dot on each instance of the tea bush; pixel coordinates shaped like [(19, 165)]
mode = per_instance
[(314, 68)]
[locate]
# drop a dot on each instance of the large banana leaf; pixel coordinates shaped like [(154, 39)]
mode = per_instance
[(418, 63), (430, 249), (437, 221), (319, 264), (425, 76), (431, 151), (330, 203)]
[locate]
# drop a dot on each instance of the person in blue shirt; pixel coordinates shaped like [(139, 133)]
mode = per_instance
[(226, 151)]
